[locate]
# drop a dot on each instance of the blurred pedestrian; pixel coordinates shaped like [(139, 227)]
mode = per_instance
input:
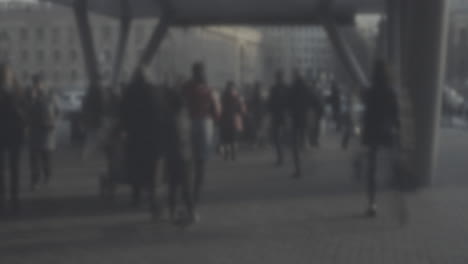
[(299, 105), (277, 107), (381, 123), (203, 107), (141, 121), (347, 122), (316, 116), (12, 118), (178, 155), (42, 118), (335, 102), (231, 123), (92, 113), (256, 106)]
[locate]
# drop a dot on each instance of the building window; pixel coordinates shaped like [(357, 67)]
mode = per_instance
[(56, 35), (73, 75), (24, 55), (56, 76), (139, 34), (71, 35), (57, 55), (107, 33), (40, 34), (107, 56), (24, 34), (73, 56), (40, 56), (4, 37)]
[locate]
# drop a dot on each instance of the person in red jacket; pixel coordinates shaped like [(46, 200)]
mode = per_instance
[(231, 123), (203, 107)]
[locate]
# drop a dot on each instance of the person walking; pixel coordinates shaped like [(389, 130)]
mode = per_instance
[(231, 123), (178, 155), (42, 115), (380, 125), (277, 104), (335, 102), (141, 122), (316, 116), (203, 108), (257, 113), (12, 118), (299, 104)]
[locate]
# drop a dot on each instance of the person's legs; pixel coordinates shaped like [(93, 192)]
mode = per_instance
[(276, 133), (346, 136), (295, 144), (46, 162), (232, 146), (14, 156), (199, 168), (151, 179), (34, 165), (185, 180), (172, 184), (316, 131), (133, 171), (2, 181), (371, 180)]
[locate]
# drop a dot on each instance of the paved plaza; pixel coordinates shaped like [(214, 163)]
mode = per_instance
[(252, 212)]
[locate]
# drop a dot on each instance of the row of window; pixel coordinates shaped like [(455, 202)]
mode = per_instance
[(56, 76), (57, 56), (56, 34)]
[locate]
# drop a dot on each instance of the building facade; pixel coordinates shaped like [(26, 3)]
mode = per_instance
[(305, 48), (43, 38)]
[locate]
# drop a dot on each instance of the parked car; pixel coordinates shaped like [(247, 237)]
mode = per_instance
[(70, 101)]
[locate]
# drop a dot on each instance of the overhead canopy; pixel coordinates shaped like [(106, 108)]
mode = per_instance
[(236, 12)]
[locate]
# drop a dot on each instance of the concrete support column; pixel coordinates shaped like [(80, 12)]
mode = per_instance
[(155, 41), (345, 52), (80, 9), (424, 48), (125, 23)]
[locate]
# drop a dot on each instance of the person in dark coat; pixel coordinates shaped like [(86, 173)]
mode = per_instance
[(316, 117), (335, 103), (12, 118), (141, 122), (299, 104), (178, 154), (257, 110), (41, 126), (380, 124), (231, 120), (277, 107)]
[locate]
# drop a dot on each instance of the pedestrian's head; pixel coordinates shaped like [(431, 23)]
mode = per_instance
[(230, 86), (257, 87), (198, 72), (37, 81), (139, 77), (6, 77), (279, 76), (381, 78), (297, 75)]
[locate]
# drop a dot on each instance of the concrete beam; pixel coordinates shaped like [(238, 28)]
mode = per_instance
[(80, 8), (158, 35), (344, 51), (124, 32)]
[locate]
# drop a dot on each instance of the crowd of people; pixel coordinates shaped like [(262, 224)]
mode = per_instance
[(28, 118), (175, 125)]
